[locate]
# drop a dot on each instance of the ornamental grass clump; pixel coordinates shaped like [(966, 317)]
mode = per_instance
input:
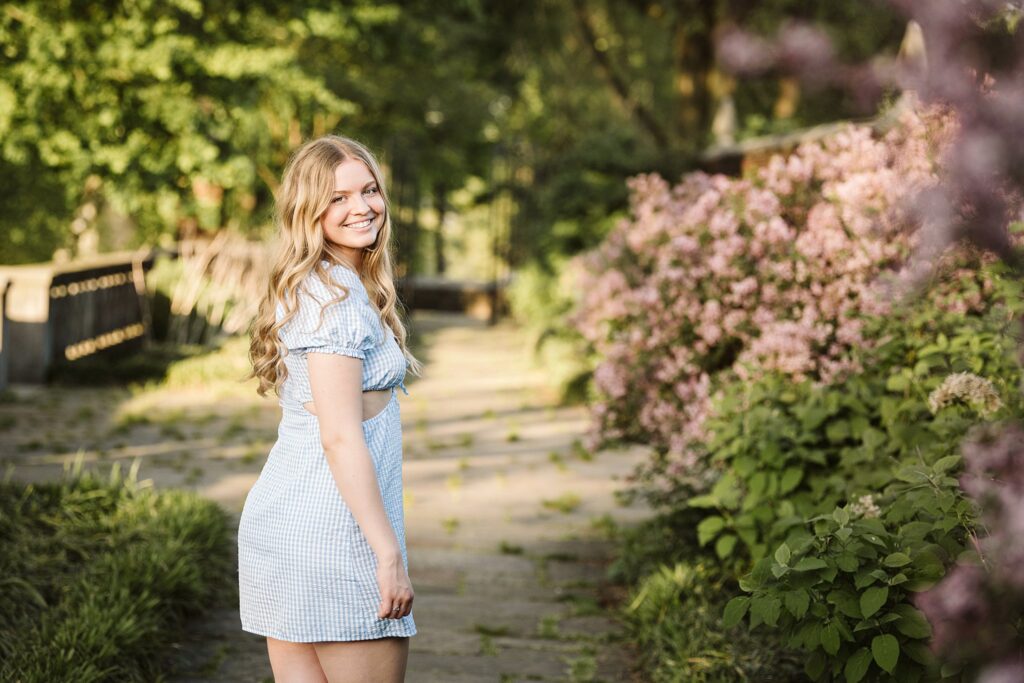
[(99, 574)]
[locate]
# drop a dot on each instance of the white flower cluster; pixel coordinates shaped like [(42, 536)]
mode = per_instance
[(974, 390), (864, 507)]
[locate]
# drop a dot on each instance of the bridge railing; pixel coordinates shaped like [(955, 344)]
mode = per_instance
[(55, 312)]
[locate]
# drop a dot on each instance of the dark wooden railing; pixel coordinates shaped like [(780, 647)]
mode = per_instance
[(62, 312), (54, 313)]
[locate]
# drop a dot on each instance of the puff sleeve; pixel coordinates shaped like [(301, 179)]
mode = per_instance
[(348, 326)]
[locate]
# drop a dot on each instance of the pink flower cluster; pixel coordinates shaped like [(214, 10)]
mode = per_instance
[(775, 271)]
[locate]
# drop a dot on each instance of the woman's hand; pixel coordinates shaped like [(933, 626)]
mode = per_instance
[(395, 589)]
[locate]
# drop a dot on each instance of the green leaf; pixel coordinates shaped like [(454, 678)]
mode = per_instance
[(897, 383), (735, 610), (837, 431), (830, 639), (814, 667), (725, 545), (744, 466), (898, 579), (766, 608), (847, 562), (912, 474), (812, 418), (919, 652), (705, 501), (791, 478), (857, 665), (912, 622), (872, 600), (808, 564), (864, 578), (783, 554), (947, 463), (842, 516), (896, 560), (796, 602), (708, 528), (886, 650), (846, 602)]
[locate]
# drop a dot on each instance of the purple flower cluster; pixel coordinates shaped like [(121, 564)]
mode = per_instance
[(976, 609)]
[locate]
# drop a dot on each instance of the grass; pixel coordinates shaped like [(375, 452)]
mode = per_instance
[(101, 572), (580, 452), (547, 627), (583, 667), (235, 428), (556, 459), (251, 455), (565, 503), (582, 605), (492, 631), (674, 610), (506, 548), (454, 482), (487, 647), (606, 526), (561, 556)]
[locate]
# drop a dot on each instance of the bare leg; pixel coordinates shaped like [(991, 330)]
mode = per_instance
[(382, 660), (294, 662)]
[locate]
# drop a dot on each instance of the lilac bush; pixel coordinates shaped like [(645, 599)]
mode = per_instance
[(775, 271), (973, 65)]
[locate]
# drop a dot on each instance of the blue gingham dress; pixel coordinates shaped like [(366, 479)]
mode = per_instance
[(306, 572)]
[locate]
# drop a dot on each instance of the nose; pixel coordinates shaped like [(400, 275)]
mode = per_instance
[(361, 207)]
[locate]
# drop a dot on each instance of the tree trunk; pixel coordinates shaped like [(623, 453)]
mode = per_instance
[(441, 205)]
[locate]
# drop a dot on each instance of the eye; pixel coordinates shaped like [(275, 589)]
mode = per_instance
[(372, 190), (337, 199)]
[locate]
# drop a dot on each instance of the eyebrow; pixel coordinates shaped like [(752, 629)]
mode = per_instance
[(372, 182)]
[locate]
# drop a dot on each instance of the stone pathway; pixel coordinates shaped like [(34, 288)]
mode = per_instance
[(504, 511)]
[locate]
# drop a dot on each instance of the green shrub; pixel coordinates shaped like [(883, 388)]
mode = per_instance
[(790, 451), (845, 498), (98, 575)]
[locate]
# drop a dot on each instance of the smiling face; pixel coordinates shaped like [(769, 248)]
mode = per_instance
[(356, 212)]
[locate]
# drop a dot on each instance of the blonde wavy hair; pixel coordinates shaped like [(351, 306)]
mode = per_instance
[(304, 195)]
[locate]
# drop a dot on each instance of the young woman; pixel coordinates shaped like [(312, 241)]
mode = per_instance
[(322, 563)]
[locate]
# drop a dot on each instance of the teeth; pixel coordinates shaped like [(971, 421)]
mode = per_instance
[(361, 224)]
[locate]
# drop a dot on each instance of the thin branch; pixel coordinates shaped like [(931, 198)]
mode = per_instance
[(618, 84)]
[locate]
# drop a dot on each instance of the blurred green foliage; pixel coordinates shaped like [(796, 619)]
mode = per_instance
[(148, 119), (180, 115)]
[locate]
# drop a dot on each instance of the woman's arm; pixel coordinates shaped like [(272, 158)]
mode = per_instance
[(336, 383)]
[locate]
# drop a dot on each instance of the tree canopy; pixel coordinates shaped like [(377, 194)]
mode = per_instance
[(162, 118)]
